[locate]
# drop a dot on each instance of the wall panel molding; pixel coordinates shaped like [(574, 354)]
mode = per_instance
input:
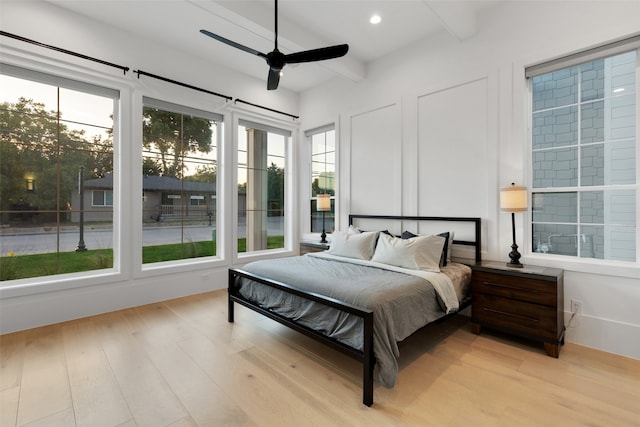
[(375, 161)]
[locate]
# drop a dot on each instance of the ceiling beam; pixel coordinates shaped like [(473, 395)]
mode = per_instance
[(457, 18)]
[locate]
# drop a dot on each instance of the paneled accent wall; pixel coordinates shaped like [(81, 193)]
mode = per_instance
[(374, 173), (453, 151), (430, 153)]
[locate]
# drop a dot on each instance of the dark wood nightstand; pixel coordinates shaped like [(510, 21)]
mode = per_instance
[(311, 246), (528, 302)]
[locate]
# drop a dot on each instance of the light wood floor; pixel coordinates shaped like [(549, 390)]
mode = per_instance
[(179, 363)]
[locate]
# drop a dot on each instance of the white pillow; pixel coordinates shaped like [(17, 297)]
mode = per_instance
[(360, 245), (416, 253), (353, 230)]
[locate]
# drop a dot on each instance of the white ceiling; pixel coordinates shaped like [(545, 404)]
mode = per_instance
[(302, 25)]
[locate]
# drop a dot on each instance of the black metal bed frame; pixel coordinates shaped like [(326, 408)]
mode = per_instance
[(366, 354)]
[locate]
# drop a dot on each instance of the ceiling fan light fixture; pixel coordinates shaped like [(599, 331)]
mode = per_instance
[(276, 60)]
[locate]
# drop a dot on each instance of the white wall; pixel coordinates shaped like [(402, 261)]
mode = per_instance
[(445, 121), (29, 303)]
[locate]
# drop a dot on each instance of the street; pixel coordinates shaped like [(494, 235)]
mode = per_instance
[(45, 239)]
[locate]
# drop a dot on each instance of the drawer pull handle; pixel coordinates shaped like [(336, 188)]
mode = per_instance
[(498, 285), (530, 319)]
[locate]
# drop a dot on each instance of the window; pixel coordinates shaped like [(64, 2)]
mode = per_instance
[(56, 146), (584, 158), (102, 198), (323, 172), (198, 200), (179, 182), (262, 157)]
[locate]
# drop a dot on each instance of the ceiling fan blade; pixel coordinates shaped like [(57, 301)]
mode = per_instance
[(273, 79), (277, 60), (233, 44), (317, 54)]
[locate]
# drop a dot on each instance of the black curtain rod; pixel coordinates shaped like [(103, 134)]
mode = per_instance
[(68, 52), (139, 72), (266, 108), (175, 82)]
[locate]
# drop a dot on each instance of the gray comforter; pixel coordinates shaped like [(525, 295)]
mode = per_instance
[(401, 303)]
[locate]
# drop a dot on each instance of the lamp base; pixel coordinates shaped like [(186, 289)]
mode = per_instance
[(323, 236), (514, 256)]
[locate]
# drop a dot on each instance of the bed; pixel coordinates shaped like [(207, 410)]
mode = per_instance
[(383, 279)]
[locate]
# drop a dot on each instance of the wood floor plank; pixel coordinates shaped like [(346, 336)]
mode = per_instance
[(180, 363), (59, 419), (97, 398), (205, 401), (595, 399), (45, 381), (11, 360), (9, 406), (149, 397)]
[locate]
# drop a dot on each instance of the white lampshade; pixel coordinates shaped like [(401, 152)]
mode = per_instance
[(324, 202), (513, 198)]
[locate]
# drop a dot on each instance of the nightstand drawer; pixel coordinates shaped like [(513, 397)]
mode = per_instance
[(522, 289), (526, 301), (515, 315)]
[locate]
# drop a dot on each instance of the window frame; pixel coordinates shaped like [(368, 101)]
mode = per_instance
[(95, 83), (309, 134), (240, 117), (104, 198), (285, 130), (577, 262), (182, 105)]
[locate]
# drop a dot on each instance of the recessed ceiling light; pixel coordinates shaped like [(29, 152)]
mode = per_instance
[(375, 19)]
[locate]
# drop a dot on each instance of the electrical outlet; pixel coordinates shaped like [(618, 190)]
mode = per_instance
[(576, 306)]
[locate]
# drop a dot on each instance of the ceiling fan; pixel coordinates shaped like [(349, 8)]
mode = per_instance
[(277, 60)]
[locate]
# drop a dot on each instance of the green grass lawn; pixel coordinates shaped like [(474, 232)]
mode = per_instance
[(37, 265)]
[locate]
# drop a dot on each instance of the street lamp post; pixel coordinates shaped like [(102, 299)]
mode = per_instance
[(81, 246)]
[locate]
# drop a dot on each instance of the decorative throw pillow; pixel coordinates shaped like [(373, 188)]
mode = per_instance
[(417, 253), (353, 245), (446, 250), (354, 230)]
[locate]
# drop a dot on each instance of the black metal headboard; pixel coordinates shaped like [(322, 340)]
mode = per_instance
[(475, 241)]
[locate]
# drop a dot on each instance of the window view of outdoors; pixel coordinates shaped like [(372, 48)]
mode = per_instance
[(179, 167), (56, 178), (261, 188), (584, 160), (323, 170)]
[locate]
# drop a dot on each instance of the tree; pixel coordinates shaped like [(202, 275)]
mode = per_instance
[(275, 189), (204, 173), (37, 143), (172, 135), (151, 167)]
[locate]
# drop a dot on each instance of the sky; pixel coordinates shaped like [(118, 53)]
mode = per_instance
[(96, 110), (92, 113)]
